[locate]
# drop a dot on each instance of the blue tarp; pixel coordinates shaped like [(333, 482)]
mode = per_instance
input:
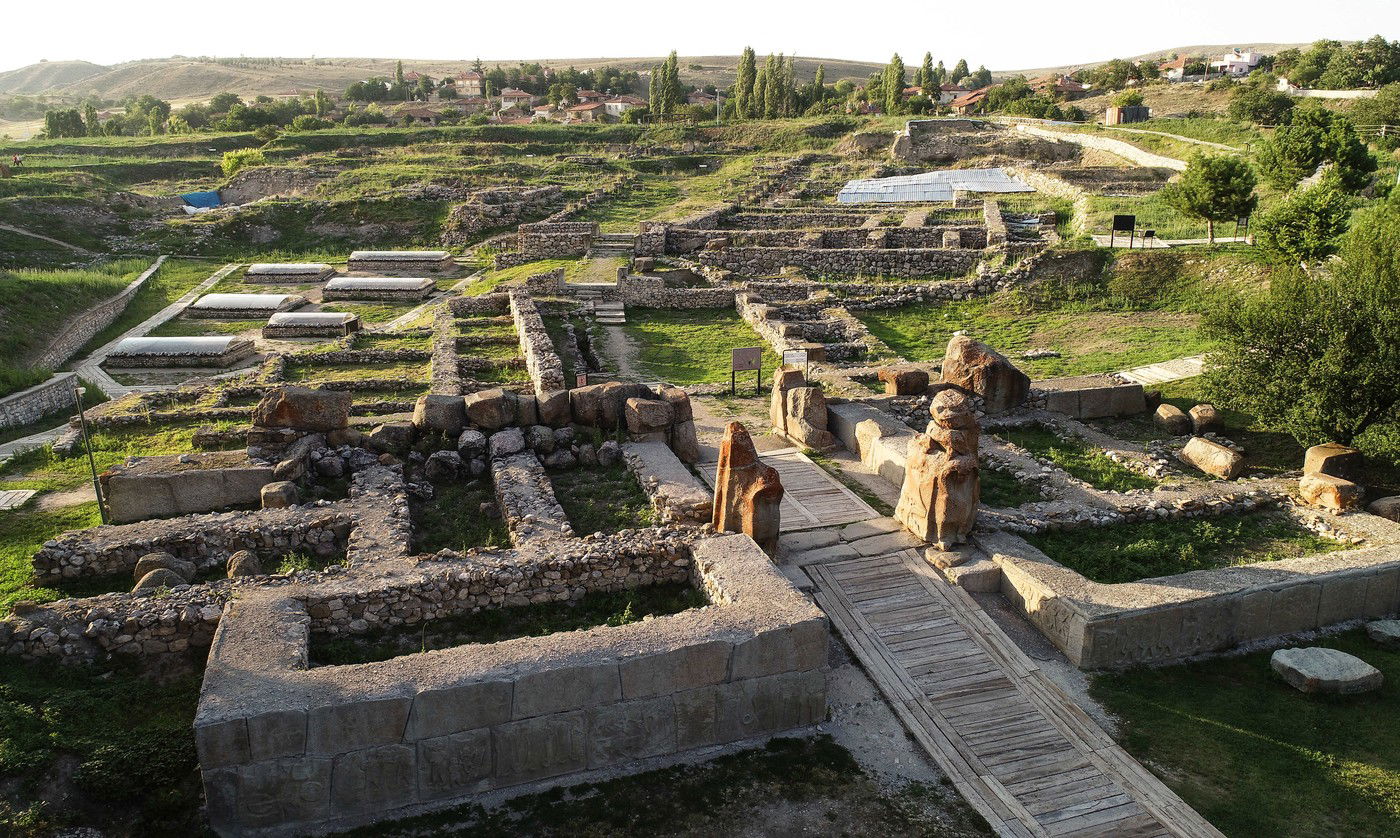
[(202, 199)]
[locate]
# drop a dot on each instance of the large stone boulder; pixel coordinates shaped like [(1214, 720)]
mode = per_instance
[(645, 416), (784, 379), (603, 405), (492, 409), (976, 368), (243, 563), (540, 439), (1172, 419), (680, 403), (159, 578), (609, 453), (1212, 458), (553, 408), (163, 561), (391, 437), (1320, 670), (1388, 508), (1334, 459), (1206, 418), (471, 444), (279, 495), (506, 442), (685, 442), (1384, 632), (807, 418), (903, 381), (1328, 492), (303, 409), (444, 414), (444, 466)]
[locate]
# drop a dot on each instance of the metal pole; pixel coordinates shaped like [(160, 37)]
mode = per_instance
[(87, 446)]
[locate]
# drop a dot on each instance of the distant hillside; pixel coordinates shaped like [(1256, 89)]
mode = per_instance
[(46, 75), (184, 80), (1200, 49)]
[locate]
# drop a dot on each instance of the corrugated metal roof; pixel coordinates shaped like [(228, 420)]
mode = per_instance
[(311, 318), (401, 255), (269, 302), (176, 346), (929, 186), (295, 269), (377, 283)]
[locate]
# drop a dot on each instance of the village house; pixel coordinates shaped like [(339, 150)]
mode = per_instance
[(970, 103), (468, 84), (514, 97), (588, 112), (1236, 63), (948, 91), (585, 96), (700, 97), (1175, 69), (1060, 87), (619, 105), (418, 115)]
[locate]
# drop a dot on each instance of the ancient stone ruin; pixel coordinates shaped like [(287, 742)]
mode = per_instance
[(938, 501), (747, 492)]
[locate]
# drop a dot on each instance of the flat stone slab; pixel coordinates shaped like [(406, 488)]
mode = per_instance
[(1385, 632), (800, 542), (891, 542), (866, 529), (1319, 670)]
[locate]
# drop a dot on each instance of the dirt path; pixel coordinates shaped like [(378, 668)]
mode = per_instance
[(23, 232), (619, 352)]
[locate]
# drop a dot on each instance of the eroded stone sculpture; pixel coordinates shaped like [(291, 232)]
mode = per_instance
[(938, 501), (747, 492)]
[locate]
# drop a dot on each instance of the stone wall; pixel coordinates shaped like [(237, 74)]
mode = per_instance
[(550, 284), (284, 749), (546, 370), (75, 334), (38, 401), (504, 206), (556, 240), (653, 292), (758, 261), (443, 370)]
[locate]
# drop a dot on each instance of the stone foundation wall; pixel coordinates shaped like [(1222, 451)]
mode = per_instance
[(652, 292), (758, 261), (549, 284), (443, 370), (546, 370), (38, 401), (485, 304), (489, 209), (411, 295), (290, 750), (556, 240), (74, 334)]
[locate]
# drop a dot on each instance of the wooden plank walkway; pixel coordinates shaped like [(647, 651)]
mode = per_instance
[(1165, 371), (811, 497), (15, 498), (1014, 745)]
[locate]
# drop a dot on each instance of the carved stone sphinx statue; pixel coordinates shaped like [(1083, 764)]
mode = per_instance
[(938, 501)]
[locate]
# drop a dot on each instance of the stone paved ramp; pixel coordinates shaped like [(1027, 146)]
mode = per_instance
[(1022, 754), (1165, 371)]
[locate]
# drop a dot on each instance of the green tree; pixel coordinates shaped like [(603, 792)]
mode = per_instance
[(744, 83), (322, 103), (64, 123), (1128, 99), (819, 84), (1315, 356), (1306, 226), (398, 72), (1260, 105), (1312, 137), (241, 159), (1382, 109), (1214, 188), (894, 84), (90, 120), (960, 71), (223, 101), (940, 75), (926, 78)]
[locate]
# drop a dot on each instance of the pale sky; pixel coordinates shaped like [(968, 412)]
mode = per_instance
[(1004, 35)]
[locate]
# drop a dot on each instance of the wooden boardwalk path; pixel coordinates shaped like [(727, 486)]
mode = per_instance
[(1015, 746), (811, 497)]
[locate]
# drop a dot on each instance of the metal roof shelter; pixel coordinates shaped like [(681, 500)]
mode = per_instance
[(288, 269), (929, 186), (378, 283), (175, 346), (247, 302), (400, 255), (311, 318)]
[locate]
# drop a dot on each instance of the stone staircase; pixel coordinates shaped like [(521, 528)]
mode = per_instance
[(612, 245), (609, 313)]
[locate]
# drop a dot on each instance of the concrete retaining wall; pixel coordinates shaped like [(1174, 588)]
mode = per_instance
[(38, 401)]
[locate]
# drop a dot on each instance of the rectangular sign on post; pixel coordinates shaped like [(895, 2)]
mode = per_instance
[(1124, 223), (795, 358), (746, 359)]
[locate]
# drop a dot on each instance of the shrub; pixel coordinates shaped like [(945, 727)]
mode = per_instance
[(1128, 99), (266, 133), (1260, 105), (1307, 225), (242, 158), (1312, 137), (307, 122)]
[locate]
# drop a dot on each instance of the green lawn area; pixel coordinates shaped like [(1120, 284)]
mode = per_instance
[(1148, 549), (691, 346), (1078, 458), (1002, 490), (197, 326), (114, 746), (1088, 341), (602, 499), (602, 608), (1258, 758)]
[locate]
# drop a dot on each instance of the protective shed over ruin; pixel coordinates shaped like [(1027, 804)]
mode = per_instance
[(233, 303), (219, 351), (929, 186)]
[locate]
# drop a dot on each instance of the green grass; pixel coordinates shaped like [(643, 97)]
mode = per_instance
[(174, 279), (614, 608), (691, 346), (22, 533), (763, 791), (452, 520), (1149, 549), (114, 747), (356, 372), (1088, 341), (1002, 490), (372, 313), (602, 499), (1077, 458), (1258, 758), (198, 326)]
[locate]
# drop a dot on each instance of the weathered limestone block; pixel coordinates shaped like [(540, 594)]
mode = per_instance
[(303, 408), (686, 668), (1384, 632), (938, 500), (755, 706), (1212, 458), (548, 746), (631, 730), (680, 403), (279, 495), (784, 379), (645, 416), (374, 779), (1388, 508), (156, 561), (806, 417), (451, 765), (1330, 492), (1205, 417), (603, 405), (1334, 459), (353, 726), (288, 790), (554, 689), (1321, 670), (166, 486), (391, 437), (747, 492), (473, 705), (1172, 419), (903, 381), (243, 563), (976, 368), (553, 408), (445, 414), (685, 442), (492, 410)]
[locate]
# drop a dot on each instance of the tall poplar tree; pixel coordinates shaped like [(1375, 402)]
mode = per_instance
[(960, 70), (744, 83), (927, 82), (819, 84), (894, 84), (940, 75), (770, 87)]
